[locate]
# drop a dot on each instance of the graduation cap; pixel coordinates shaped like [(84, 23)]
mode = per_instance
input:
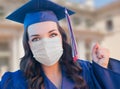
[(35, 11), (38, 11)]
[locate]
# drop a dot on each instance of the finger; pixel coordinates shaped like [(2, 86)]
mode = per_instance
[(95, 48), (102, 52), (94, 52), (100, 55)]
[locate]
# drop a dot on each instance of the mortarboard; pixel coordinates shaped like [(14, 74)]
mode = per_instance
[(35, 11), (41, 10)]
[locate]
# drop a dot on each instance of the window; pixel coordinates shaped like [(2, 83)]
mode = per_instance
[(89, 22), (88, 50), (109, 25), (77, 21), (4, 46), (4, 57), (1, 11)]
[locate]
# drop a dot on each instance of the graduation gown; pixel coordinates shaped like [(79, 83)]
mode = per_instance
[(95, 76)]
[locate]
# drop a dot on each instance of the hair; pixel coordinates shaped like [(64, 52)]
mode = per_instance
[(32, 68)]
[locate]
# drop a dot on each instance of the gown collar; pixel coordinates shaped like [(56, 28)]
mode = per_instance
[(66, 83)]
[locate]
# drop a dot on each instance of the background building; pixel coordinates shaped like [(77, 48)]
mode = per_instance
[(90, 25)]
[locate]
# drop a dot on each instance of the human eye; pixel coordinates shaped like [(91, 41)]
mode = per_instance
[(53, 35), (35, 39)]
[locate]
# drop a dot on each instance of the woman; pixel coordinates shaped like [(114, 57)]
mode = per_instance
[(48, 62)]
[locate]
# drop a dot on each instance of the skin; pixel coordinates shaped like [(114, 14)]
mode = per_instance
[(42, 30), (100, 55), (49, 29)]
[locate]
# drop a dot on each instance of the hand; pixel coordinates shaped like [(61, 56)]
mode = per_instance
[(100, 55)]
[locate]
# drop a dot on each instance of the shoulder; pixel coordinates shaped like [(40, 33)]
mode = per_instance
[(84, 63), (87, 72), (86, 67), (13, 80)]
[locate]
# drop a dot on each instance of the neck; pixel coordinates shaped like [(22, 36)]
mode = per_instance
[(52, 70), (54, 74)]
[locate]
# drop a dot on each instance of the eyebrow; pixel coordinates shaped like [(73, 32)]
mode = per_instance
[(35, 35), (52, 31), (39, 35)]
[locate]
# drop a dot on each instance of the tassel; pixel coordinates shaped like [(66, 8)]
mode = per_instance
[(73, 41)]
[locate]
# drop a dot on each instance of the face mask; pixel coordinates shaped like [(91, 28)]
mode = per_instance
[(47, 51)]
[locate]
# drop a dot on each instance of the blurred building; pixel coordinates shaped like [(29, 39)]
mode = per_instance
[(90, 25)]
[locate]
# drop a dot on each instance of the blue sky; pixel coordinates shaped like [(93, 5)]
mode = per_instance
[(98, 3)]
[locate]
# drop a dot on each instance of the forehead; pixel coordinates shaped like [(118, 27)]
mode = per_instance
[(42, 27)]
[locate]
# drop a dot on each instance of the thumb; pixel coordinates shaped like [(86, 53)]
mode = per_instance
[(95, 48)]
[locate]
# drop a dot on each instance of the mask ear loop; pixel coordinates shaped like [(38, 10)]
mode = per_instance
[(73, 41)]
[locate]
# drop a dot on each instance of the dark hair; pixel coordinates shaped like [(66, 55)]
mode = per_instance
[(31, 67)]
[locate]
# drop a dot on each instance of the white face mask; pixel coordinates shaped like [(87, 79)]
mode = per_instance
[(47, 51)]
